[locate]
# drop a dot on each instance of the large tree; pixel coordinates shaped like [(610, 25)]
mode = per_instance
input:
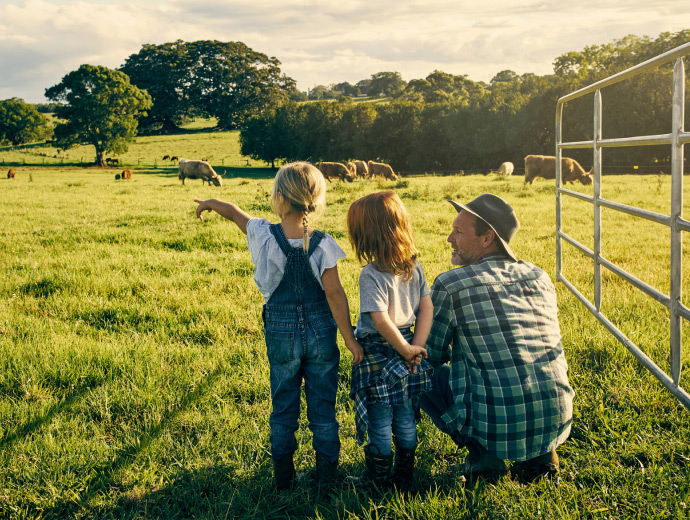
[(225, 80), (20, 122), (165, 72), (99, 106), (234, 83)]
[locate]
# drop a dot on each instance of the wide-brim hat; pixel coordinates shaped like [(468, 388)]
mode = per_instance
[(497, 213)]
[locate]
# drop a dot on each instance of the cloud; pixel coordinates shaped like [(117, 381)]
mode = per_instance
[(348, 40)]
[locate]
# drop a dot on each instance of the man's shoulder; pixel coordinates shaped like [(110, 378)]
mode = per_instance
[(494, 270)]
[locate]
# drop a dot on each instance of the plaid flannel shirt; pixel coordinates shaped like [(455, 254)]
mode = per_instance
[(383, 377), (508, 372)]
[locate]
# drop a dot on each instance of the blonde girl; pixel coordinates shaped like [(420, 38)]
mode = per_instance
[(394, 297), (296, 272)]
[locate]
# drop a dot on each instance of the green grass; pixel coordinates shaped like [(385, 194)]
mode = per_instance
[(134, 380), (220, 148)]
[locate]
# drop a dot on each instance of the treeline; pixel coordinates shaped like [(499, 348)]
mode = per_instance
[(443, 122), (446, 122)]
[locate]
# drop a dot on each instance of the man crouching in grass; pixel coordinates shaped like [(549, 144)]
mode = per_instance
[(505, 394)]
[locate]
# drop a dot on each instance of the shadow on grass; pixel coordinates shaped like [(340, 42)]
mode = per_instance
[(63, 406), (105, 476), (221, 491)]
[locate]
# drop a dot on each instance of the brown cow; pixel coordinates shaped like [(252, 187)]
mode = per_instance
[(339, 170), (174, 158), (545, 166), (506, 168), (382, 169), (11, 173), (192, 169), (127, 174), (362, 168), (166, 158)]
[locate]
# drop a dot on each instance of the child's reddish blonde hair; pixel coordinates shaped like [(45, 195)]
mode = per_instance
[(381, 233)]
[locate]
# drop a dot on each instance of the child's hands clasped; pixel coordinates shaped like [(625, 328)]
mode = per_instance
[(413, 357)]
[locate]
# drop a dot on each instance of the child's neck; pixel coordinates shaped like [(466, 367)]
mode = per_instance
[(292, 226)]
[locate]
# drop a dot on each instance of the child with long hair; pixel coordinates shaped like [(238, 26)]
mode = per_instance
[(394, 296), (296, 272)]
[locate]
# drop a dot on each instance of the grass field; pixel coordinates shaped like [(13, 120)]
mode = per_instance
[(201, 141), (134, 380)]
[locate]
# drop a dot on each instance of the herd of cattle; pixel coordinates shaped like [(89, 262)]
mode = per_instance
[(535, 166)]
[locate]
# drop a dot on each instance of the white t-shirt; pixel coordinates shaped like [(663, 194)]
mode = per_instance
[(269, 260), (380, 292)]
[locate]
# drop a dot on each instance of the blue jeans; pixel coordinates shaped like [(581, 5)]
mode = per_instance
[(303, 350), (385, 420)]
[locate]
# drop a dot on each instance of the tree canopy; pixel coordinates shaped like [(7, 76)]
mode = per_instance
[(449, 122), (99, 106), (225, 80), (21, 122)]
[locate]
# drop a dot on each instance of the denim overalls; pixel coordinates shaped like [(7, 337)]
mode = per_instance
[(301, 342)]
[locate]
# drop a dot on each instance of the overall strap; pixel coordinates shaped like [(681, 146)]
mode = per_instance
[(277, 231), (285, 247)]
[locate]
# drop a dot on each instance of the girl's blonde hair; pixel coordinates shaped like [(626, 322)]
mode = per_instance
[(299, 187), (381, 233)]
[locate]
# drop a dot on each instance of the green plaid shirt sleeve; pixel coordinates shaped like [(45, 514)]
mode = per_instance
[(441, 335)]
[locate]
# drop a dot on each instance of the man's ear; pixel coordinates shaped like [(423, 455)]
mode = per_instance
[(488, 238)]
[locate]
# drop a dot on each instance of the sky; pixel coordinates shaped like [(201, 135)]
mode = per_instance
[(320, 43)]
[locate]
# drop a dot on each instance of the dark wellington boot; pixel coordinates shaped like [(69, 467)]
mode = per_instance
[(482, 464), (326, 476), (403, 472), (284, 472), (376, 473), (546, 466)]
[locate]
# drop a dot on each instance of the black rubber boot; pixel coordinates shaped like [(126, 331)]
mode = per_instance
[(326, 476), (546, 466), (482, 464), (284, 472), (403, 472), (376, 473)]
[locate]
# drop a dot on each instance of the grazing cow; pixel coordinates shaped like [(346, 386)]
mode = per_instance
[(190, 169), (339, 170), (506, 169), (545, 166), (11, 173), (362, 169), (174, 158), (166, 158), (382, 169), (127, 174)]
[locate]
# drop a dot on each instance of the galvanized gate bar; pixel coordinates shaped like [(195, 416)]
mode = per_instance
[(577, 244), (672, 387), (650, 64), (678, 119), (637, 212), (596, 161), (675, 222)]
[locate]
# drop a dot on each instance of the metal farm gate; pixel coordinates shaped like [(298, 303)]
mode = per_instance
[(675, 221)]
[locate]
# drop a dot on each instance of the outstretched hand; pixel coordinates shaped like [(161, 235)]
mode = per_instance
[(203, 206)]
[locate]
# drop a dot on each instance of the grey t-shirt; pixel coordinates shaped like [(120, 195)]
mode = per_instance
[(381, 291)]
